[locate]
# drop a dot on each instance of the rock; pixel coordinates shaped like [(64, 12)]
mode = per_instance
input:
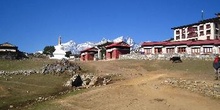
[(87, 80), (60, 67), (11, 106), (77, 81)]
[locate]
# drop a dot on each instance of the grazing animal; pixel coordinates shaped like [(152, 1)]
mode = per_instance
[(175, 59)]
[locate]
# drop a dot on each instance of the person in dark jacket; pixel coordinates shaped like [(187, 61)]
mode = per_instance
[(216, 65)]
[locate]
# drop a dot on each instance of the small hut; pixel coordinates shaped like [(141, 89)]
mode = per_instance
[(88, 54), (8, 51), (113, 51)]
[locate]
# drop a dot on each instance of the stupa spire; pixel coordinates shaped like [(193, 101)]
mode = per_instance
[(59, 40)]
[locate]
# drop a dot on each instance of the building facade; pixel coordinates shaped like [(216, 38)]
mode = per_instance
[(182, 47), (114, 50), (207, 29), (88, 54), (105, 51), (8, 51), (202, 37)]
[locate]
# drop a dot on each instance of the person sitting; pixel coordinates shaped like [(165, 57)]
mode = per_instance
[(216, 65)]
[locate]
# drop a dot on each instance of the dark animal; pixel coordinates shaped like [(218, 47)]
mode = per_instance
[(175, 59)]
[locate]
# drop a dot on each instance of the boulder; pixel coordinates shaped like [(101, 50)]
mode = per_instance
[(87, 81)]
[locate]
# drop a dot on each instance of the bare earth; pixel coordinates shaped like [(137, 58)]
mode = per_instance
[(139, 90)]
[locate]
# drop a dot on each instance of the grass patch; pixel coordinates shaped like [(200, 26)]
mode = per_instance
[(12, 65), (19, 89), (50, 105), (191, 66)]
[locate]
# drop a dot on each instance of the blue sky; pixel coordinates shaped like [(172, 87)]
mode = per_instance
[(34, 24)]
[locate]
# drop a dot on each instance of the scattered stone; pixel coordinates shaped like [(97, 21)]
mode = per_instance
[(209, 89), (11, 106), (60, 67)]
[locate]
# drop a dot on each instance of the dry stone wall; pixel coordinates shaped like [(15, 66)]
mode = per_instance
[(19, 72), (139, 56), (78, 79)]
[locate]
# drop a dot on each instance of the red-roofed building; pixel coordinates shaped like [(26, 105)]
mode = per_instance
[(207, 29), (114, 50), (202, 37), (88, 54), (189, 47), (153, 47)]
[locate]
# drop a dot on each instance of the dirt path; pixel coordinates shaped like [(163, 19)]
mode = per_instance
[(141, 93)]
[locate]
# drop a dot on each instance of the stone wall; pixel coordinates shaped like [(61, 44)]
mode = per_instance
[(139, 56), (19, 72), (55, 68), (78, 79)]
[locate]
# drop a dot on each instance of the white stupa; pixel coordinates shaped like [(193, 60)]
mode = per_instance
[(59, 52)]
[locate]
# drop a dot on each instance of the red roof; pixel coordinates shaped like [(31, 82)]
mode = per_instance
[(92, 49), (178, 43), (118, 44), (153, 43), (205, 42), (189, 43)]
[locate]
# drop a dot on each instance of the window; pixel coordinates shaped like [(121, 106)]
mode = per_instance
[(208, 32), (181, 49), (207, 50), (192, 34), (177, 37), (190, 29), (183, 36), (177, 32), (189, 35), (194, 28), (208, 26), (183, 30), (208, 37), (158, 50), (148, 51), (201, 27), (201, 33), (195, 50), (170, 50)]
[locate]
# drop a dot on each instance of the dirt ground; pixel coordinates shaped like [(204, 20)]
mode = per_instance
[(140, 89)]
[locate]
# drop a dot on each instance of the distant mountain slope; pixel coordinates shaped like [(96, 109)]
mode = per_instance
[(76, 48)]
